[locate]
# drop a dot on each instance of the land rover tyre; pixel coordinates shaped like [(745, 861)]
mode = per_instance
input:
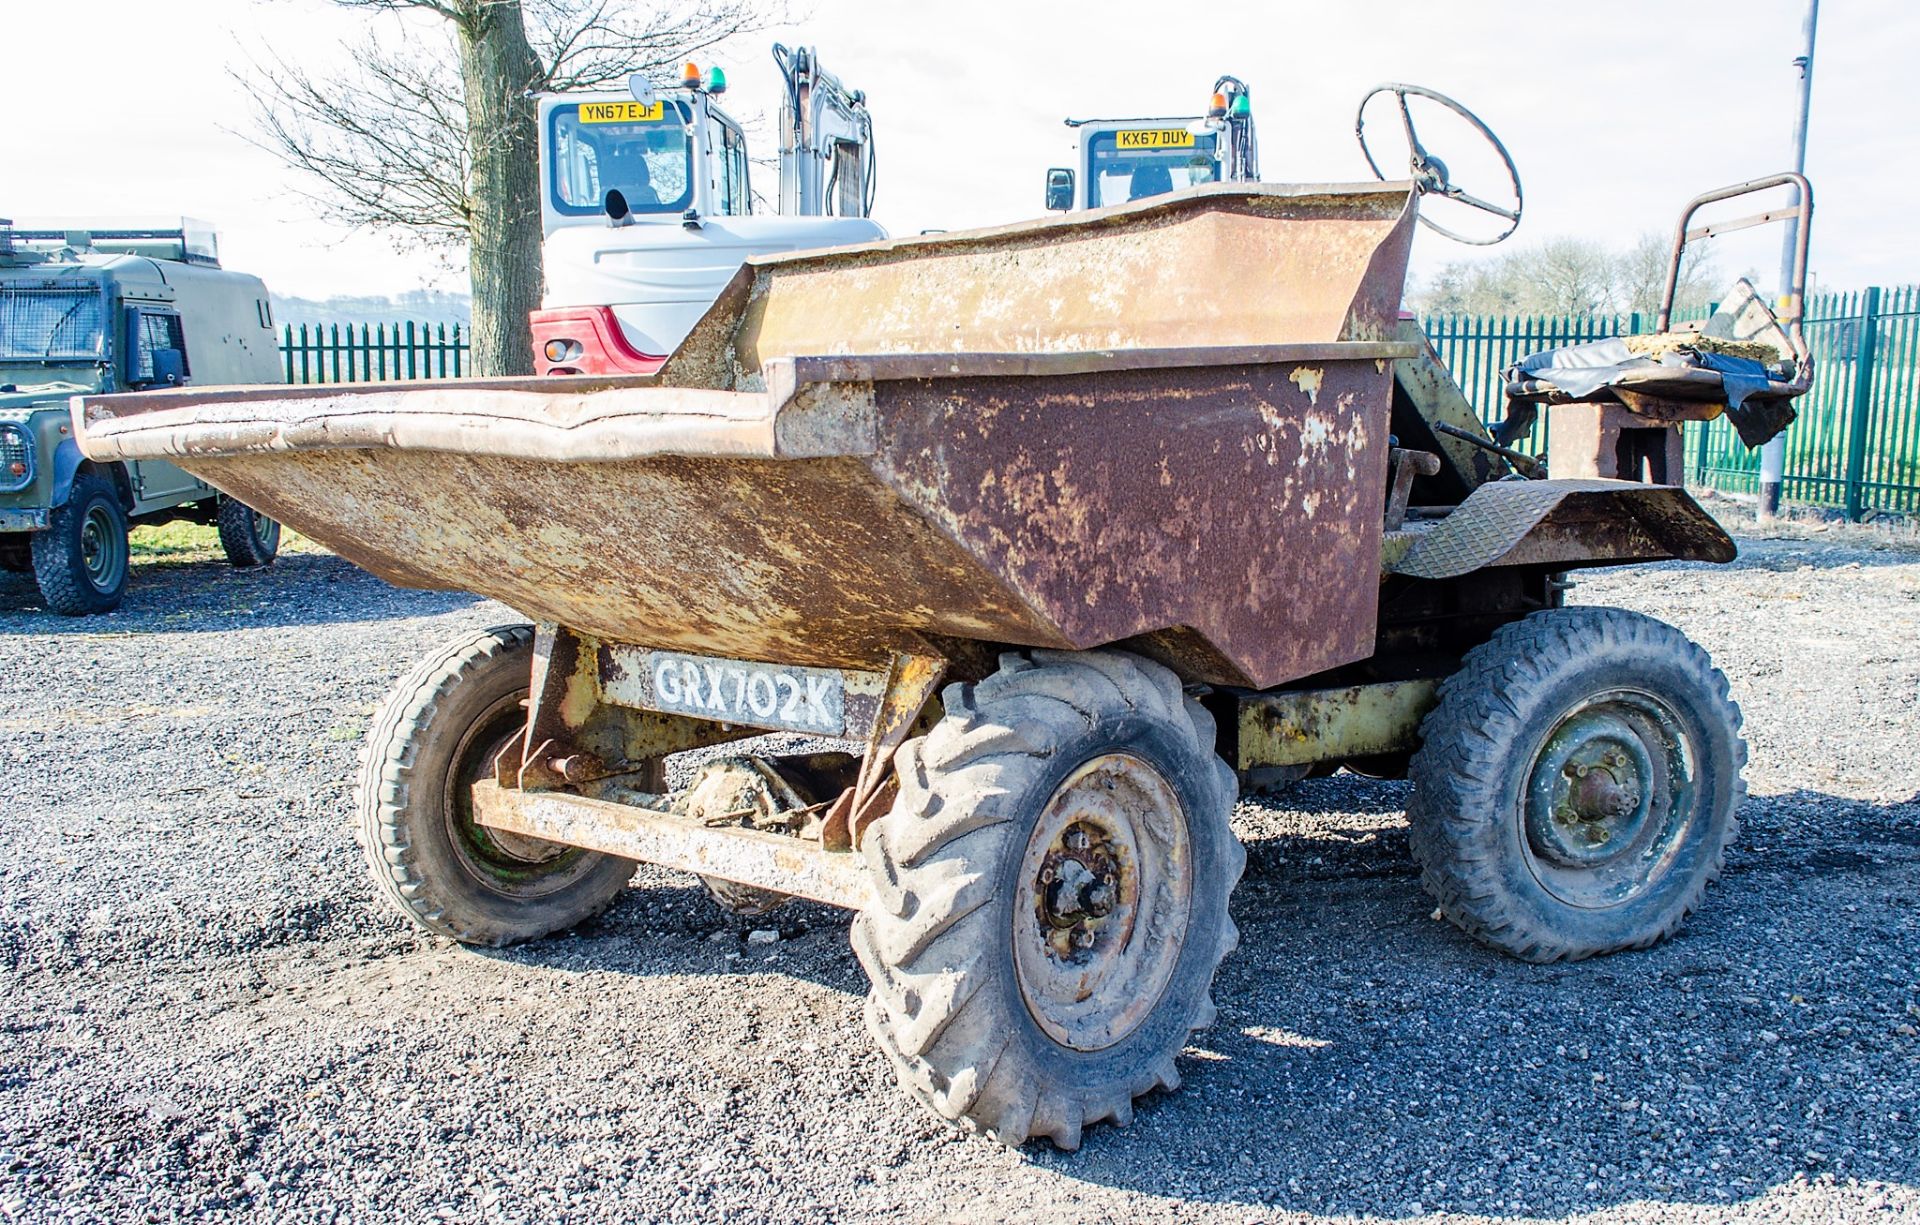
[(1576, 786), (80, 560), (436, 735), (1050, 895), (248, 537)]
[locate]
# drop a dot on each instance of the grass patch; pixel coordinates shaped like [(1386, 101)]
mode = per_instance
[(194, 542), (175, 542)]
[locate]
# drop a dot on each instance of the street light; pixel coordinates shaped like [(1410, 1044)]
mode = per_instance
[(1773, 455)]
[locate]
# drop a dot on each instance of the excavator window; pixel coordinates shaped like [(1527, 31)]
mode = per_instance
[(736, 197), (1121, 169), (648, 162)]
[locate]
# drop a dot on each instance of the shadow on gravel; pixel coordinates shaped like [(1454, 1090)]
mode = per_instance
[(1371, 1059), (670, 930), (210, 596)]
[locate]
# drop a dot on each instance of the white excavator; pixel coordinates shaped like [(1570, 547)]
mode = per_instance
[(1117, 160), (648, 211)]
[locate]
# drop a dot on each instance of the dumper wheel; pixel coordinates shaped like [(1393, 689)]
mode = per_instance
[(1050, 895), (436, 736), (248, 537), (1576, 786)]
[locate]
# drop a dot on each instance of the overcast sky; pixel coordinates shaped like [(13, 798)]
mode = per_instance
[(1615, 112)]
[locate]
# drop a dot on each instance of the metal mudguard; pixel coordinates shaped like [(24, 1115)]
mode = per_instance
[(1565, 524)]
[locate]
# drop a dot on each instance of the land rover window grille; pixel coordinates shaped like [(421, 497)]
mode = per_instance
[(56, 324), (16, 457), (157, 331)]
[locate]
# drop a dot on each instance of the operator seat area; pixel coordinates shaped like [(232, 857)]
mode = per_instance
[(1149, 180)]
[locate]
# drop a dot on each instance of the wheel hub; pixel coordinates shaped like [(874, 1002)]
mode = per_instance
[(1591, 787), (1105, 897), (101, 549), (1609, 797), (1081, 881)]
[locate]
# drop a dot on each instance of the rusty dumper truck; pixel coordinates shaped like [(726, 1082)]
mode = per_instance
[(1059, 526)]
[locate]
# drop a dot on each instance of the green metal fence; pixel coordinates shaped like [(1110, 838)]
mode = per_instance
[(371, 353), (1855, 446), (1856, 443)]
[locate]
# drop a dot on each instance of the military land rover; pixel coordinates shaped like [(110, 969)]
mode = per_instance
[(88, 311)]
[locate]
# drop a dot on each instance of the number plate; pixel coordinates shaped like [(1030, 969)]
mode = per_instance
[(731, 691), (1153, 138), (626, 112)]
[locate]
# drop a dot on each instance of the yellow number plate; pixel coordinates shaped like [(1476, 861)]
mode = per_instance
[(628, 112), (1147, 138)]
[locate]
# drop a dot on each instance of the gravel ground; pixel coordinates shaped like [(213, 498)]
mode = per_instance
[(207, 1013)]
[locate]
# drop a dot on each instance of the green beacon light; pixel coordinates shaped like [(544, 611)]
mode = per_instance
[(1241, 108), (716, 80)]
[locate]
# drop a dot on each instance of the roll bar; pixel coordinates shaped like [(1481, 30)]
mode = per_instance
[(1802, 210)]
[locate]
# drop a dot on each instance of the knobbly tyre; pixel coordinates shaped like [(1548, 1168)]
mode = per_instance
[(1062, 525), (100, 310)]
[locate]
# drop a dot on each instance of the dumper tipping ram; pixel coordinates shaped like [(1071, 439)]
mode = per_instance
[(1061, 527)]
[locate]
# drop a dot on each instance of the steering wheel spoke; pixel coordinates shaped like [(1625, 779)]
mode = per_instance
[(1507, 214), (1430, 174)]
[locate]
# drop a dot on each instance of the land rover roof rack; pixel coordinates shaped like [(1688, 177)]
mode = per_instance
[(184, 239)]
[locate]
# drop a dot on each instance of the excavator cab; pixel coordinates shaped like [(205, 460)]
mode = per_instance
[(647, 209), (1121, 160)]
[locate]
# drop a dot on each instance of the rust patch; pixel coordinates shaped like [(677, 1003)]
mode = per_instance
[(1264, 545)]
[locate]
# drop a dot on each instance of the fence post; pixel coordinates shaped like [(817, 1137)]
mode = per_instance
[(1862, 406)]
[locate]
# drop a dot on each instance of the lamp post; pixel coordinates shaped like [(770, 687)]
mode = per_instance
[(1773, 455)]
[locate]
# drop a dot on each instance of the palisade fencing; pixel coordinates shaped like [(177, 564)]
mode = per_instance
[(372, 353), (1855, 445)]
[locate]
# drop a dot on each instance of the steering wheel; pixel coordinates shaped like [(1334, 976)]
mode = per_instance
[(1430, 173)]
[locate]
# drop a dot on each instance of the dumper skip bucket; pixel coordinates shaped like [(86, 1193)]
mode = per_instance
[(1163, 424)]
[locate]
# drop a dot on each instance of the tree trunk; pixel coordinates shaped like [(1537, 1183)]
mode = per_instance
[(497, 68)]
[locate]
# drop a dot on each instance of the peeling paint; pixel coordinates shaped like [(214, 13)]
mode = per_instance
[(1308, 379)]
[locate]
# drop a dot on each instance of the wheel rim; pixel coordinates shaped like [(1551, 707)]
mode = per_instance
[(266, 532), (1611, 796), (507, 862), (1106, 892), (103, 548)]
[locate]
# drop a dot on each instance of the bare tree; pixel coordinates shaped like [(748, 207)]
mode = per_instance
[(429, 135), (1565, 276), (1641, 277)]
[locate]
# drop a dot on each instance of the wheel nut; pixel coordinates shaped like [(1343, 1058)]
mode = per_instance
[(1082, 937), (1076, 840)]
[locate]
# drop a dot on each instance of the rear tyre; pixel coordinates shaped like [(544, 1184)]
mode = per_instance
[(80, 562), (1576, 786), (248, 537), (1050, 895), (438, 734)]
